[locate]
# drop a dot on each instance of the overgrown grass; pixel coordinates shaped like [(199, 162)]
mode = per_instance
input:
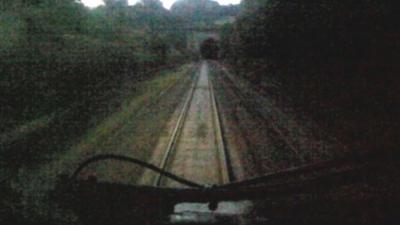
[(26, 128), (132, 131), (335, 60)]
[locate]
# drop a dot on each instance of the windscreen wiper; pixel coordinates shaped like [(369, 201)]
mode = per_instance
[(105, 200), (292, 180)]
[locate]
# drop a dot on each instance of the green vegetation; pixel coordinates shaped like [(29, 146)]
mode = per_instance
[(135, 129), (75, 82), (63, 67), (58, 53), (335, 62), (67, 72), (202, 130), (132, 131), (204, 14)]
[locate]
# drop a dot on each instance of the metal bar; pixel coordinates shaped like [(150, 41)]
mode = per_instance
[(225, 162), (176, 132)]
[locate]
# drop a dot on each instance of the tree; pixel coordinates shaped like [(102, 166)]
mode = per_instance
[(116, 3), (196, 12), (155, 4)]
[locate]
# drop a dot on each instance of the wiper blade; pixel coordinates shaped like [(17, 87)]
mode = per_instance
[(320, 170), (327, 168), (138, 162), (89, 196)]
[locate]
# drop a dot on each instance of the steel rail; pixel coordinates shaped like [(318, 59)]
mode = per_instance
[(289, 143), (230, 92), (223, 155), (176, 132), (225, 167)]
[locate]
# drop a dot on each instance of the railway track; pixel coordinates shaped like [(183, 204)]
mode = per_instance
[(205, 158), (274, 135)]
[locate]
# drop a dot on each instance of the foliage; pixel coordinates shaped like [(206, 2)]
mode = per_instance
[(202, 13), (64, 68), (335, 59), (57, 53)]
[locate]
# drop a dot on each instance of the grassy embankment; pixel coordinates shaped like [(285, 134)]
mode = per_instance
[(274, 137), (131, 131), (334, 62)]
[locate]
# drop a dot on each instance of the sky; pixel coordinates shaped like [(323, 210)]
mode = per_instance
[(167, 3)]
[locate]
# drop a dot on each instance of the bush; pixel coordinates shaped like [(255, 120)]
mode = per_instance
[(336, 59)]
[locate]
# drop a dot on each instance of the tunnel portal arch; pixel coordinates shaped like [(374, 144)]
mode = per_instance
[(209, 48), (198, 36)]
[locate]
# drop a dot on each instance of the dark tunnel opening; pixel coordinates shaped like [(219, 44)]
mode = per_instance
[(209, 49)]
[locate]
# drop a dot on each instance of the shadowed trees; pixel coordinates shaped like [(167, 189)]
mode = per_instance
[(335, 59), (58, 53), (202, 13)]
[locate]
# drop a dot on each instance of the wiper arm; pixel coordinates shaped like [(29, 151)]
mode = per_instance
[(138, 162), (349, 163), (88, 196)]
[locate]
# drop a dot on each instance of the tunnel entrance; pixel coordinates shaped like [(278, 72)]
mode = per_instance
[(209, 49)]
